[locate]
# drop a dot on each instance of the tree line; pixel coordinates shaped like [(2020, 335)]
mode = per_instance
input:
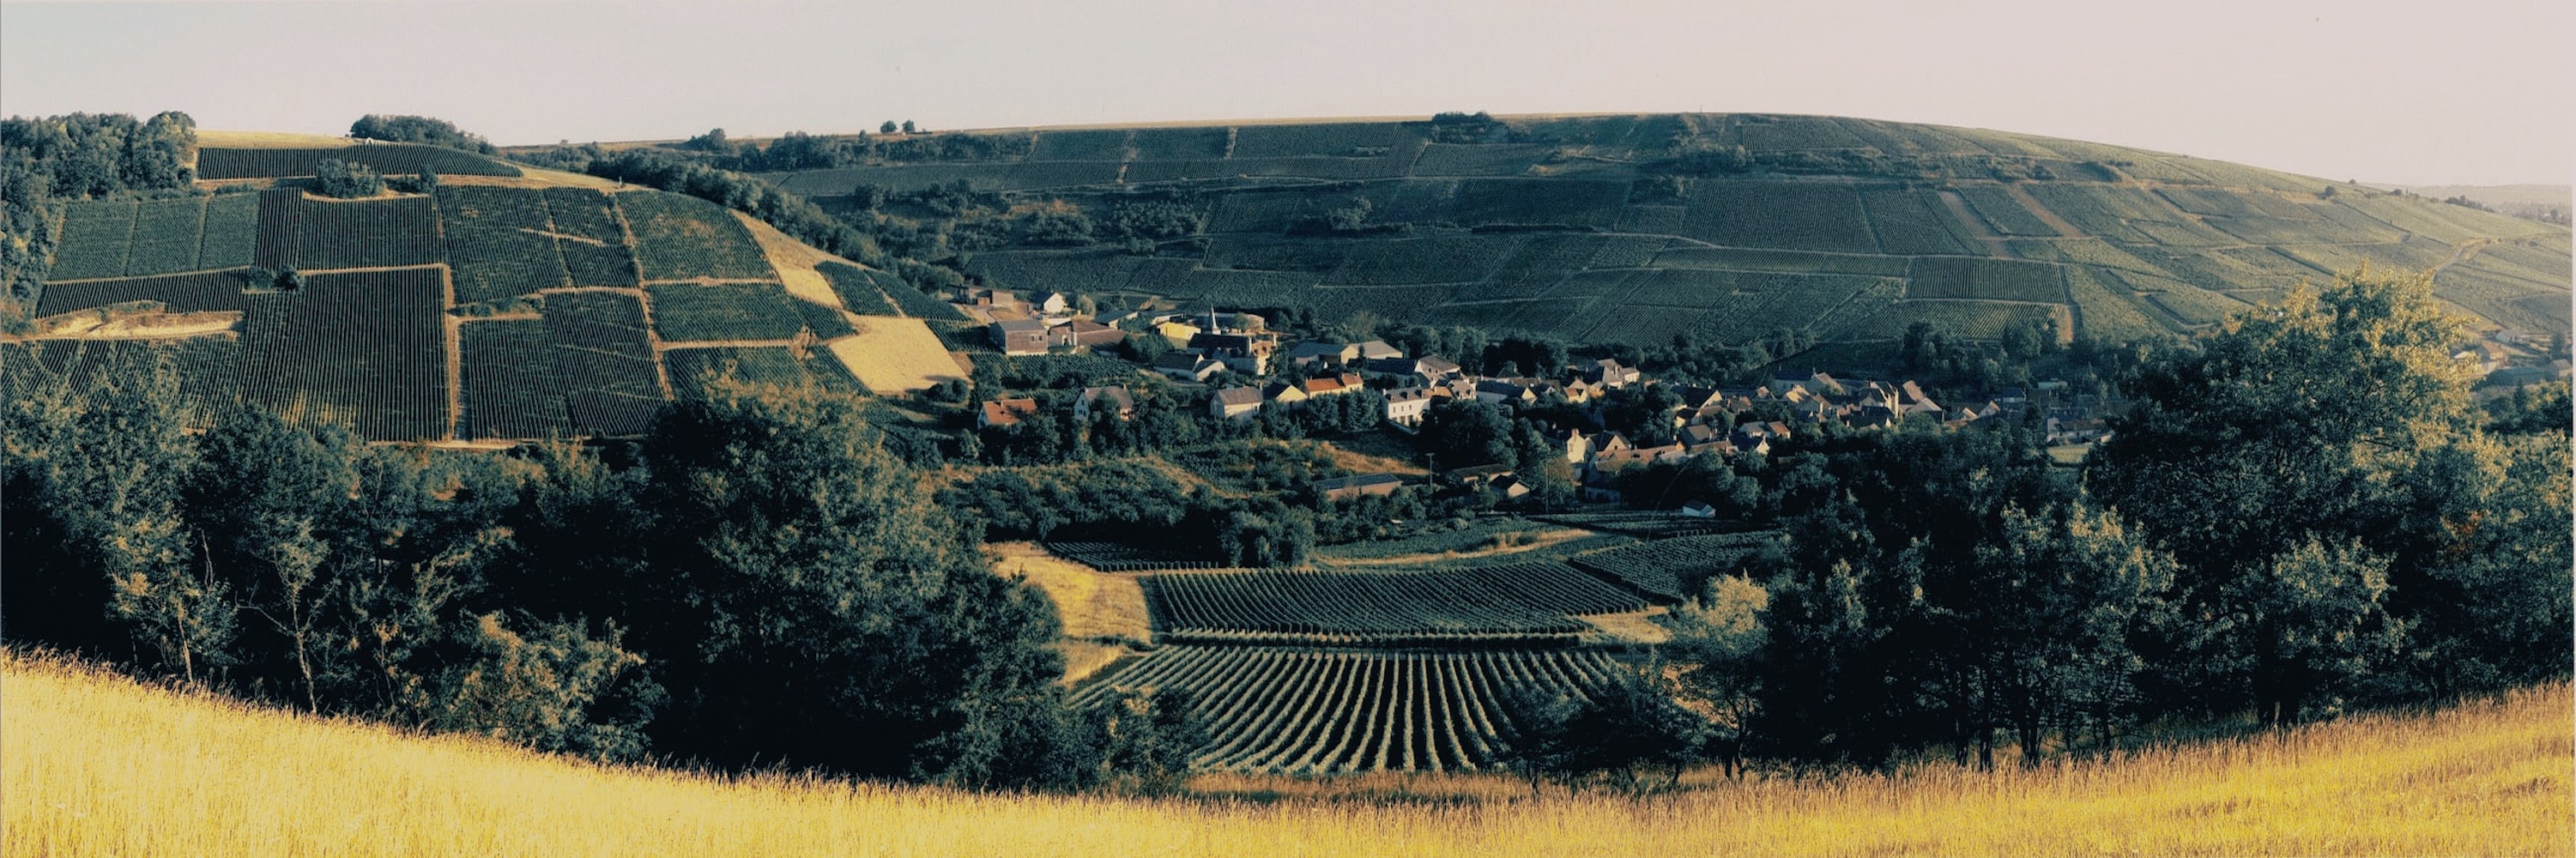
[(2302, 515), (47, 161), (756, 583)]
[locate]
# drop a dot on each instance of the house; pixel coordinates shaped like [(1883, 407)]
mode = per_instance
[(1699, 509), (1580, 391), (1084, 332), (1313, 355), (1332, 385), (1176, 331), (1361, 485), (1187, 366), (1430, 370), (1510, 487), (1244, 353), (1379, 350), (1699, 435), (1112, 400), (1496, 390), (1050, 304), (1577, 446), (1283, 392), (1020, 337), (1478, 475), (1609, 372), (1405, 406), (1915, 396), (1235, 403), (1004, 412), (1608, 442), (2516, 336), (2488, 355)]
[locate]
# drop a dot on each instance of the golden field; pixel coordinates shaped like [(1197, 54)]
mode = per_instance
[(96, 764)]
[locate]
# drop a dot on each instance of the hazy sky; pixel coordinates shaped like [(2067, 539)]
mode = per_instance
[(2418, 93)]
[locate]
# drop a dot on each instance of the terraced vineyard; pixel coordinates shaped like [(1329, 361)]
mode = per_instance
[(1612, 228), (1334, 711), (1469, 606), (541, 287)]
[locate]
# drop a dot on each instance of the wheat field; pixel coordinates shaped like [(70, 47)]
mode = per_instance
[(96, 764)]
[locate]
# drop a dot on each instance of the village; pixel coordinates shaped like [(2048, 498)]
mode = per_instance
[(1243, 368)]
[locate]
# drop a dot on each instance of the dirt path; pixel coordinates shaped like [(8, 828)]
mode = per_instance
[(2022, 195), (2461, 252), (1959, 209)]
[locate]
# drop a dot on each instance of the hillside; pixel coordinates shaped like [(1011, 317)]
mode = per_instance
[(98, 764), (1637, 228), (505, 303)]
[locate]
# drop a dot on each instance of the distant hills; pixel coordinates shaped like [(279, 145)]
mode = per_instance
[(1638, 228), (504, 303)]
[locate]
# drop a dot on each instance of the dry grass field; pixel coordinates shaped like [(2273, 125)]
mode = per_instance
[(894, 356), (95, 764)]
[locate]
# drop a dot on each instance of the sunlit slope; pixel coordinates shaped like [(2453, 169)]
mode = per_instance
[(502, 303), (1637, 228), (97, 765)]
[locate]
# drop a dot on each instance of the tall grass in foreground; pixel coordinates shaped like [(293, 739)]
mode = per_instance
[(97, 764)]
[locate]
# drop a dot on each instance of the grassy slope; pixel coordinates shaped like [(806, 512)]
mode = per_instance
[(97, 764), (2085, 207)]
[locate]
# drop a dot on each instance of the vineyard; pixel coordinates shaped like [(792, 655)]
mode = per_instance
[(1327, 712), (685, 312), (368, 348), (1455, 606), (94, 240), (589, 238), (213, 291), (1130, 557), (603, 361), (1643, 523), (391, 159), (209, 368), (510, 387), (680, 237), (690, 368), (312, 234), (1985, 279), (498, 242), (1659, 568), (859, 292)]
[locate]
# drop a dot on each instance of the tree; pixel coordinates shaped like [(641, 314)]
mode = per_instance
[(1147, 738), (1718, 647), (820, 610), (1626, 732), (267, 499), (2271, 448), (907, 126), (336, 178), (1463, 432)]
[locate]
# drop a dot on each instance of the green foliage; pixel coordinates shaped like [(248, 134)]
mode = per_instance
[(417, 129), (333, 177), (731, 311), (681, 238)]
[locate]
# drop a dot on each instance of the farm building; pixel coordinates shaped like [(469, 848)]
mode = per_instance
[(1084, 332), (1186, 366), (1115, 400), (1050, 303), (1404, 407), (1004, 412), (1020, 337), (1235, 402)]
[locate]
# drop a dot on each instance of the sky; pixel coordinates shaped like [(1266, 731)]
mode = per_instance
[(2411, 93)]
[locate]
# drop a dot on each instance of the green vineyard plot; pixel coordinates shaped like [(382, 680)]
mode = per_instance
[(692, 368), (309, 233), (1980, 278), (368, 348), (209, 368), (94, 240), (1658, 568), (730, 311), (215, 291), (391, 159), (499, 241), (1475, 604), (590, 238), (1325, 712), (685, 238)]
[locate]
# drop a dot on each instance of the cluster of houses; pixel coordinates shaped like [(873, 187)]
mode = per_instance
[(1206, 344)]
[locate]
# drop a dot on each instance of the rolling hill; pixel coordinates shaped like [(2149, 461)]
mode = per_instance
[(1637, 228), (505, 303)]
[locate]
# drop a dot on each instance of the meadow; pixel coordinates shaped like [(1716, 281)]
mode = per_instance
[(99, 765)]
